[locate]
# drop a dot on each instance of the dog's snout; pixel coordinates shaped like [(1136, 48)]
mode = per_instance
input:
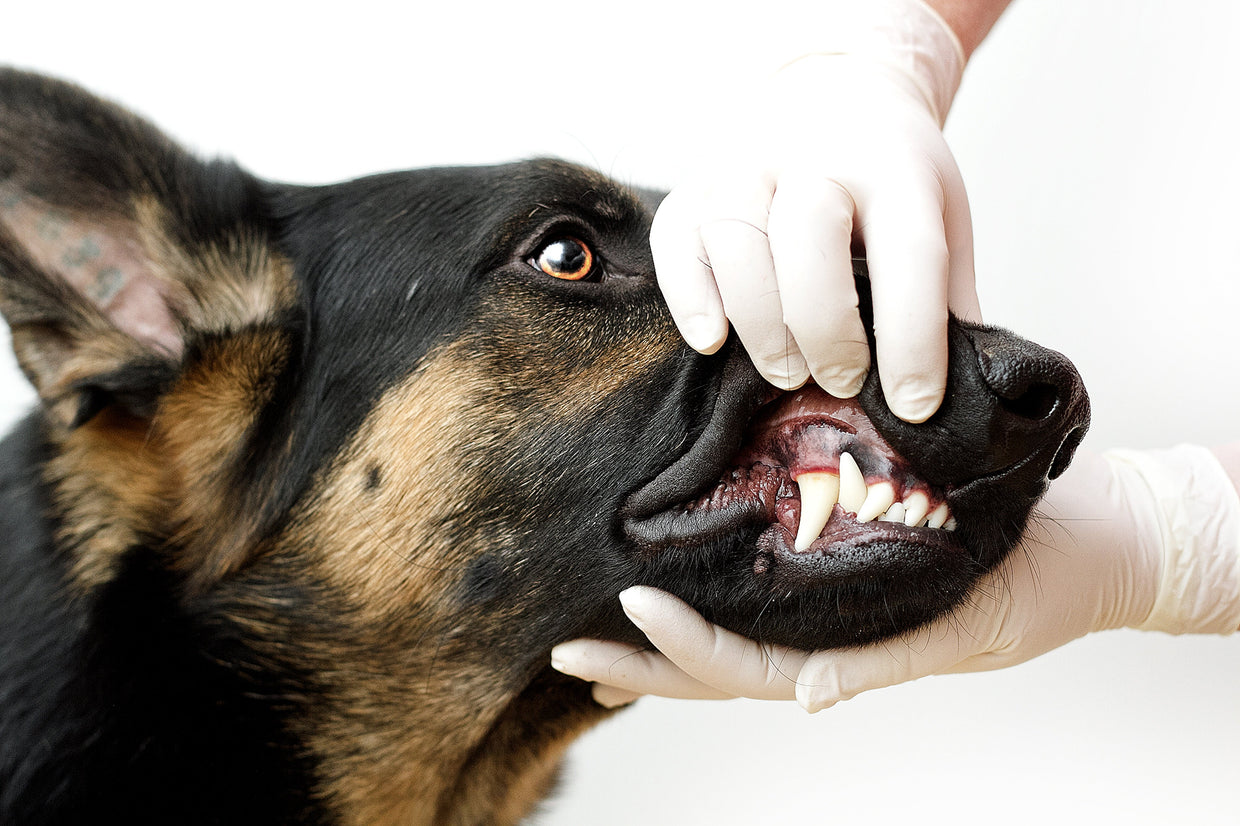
[(1039, 404), (1012, 407)]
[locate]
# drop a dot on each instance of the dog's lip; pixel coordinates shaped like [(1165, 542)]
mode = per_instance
[(740, 391), (842, 552)]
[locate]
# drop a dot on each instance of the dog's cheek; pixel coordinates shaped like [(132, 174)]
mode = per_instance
[(386, 538), (378, 525), (440, 540), (566, 356)]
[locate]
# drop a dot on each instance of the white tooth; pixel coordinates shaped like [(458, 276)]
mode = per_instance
[(916, 506), (881, 496), (940, 516), (895, 513), (950, 524), (852, 484), (819, 492)]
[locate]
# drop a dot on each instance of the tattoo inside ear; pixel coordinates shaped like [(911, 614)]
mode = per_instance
[(101, 259)]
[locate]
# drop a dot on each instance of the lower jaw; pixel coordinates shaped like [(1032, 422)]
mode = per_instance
[(868, 583), (851, 613)]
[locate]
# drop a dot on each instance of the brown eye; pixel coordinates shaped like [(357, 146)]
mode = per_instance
[(566, 258)]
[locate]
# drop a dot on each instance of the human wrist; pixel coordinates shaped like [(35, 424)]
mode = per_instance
[(907, 36)]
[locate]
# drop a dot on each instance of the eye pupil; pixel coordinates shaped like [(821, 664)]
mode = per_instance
[(566, 258)]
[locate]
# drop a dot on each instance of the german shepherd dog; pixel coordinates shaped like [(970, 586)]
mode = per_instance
[(320, 474)]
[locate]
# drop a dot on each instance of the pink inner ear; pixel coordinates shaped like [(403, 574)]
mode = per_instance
[(101, 260)]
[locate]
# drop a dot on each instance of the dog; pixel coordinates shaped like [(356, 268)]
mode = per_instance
[(320, 474)]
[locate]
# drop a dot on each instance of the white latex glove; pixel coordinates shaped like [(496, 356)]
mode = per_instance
[(1147, 540), (837, 146)]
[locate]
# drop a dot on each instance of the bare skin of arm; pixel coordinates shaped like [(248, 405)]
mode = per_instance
[(971, 20)]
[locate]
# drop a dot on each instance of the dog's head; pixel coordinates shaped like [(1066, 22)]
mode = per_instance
[(389, 441)]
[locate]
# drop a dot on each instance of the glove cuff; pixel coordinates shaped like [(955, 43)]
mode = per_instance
[(907, 36), (1198, 515)]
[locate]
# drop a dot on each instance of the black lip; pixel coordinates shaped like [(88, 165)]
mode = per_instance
[(865, 552), (671, 526), (739, 392)]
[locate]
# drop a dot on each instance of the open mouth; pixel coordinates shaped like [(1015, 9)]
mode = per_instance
[(814, 470), (830, 522)]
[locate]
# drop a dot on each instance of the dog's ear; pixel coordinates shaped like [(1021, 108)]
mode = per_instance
[(119, 252)]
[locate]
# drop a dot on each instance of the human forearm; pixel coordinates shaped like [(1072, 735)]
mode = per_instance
[(1229, 457), (971, 20)]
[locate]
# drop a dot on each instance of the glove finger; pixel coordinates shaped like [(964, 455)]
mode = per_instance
[(608, 696), (810, 231), (829, 677), (627, 669), (712, 655), (736, 245), (684, 273), (958, 222), (907, 252)]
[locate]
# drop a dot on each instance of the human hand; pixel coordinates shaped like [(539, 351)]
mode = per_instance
[(836, 148), (1144, 540)]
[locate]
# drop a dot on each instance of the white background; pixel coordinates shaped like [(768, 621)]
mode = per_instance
[(1100, 144)]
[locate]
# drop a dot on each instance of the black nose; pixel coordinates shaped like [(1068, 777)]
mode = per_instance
[(1010, 404), (1039, 401)]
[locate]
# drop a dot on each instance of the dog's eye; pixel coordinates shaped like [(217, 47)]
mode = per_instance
[(566, 258)]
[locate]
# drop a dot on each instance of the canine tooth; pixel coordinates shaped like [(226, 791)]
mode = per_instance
[(895, 513), (939, 518), (819, 492), (852, 484), (880, 497), (916, 506), (950, 524)]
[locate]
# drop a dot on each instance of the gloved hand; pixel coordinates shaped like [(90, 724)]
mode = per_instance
[(837, 147), (1147, 540)]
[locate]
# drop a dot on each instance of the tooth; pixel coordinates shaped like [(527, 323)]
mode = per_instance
[(916, 506), (940, 516), (819, 492), (950, 524), (852, 484), (880, 497), (895, 513)]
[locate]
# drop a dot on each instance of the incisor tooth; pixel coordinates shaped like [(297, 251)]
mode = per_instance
[(916, 506), (819, 492), (895, 513), (852, 484), (939, 518), (881, 496)]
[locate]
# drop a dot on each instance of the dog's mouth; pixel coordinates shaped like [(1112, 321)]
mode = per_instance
[(830, 521), (816, 472)]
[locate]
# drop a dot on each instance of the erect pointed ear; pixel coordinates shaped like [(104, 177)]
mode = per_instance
[(119, 252)]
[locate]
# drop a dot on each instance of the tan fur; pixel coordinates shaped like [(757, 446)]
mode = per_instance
[(578, 365), (108, 489), (117, 478), (215, 288), (412, 697), (399, 723), (203, 427)]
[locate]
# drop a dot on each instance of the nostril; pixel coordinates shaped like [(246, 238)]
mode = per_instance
[(1028, 382), (1067, 449), (1036, 402)]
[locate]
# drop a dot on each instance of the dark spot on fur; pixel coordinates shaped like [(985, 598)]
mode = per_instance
[(486, 580), (374, 478)]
